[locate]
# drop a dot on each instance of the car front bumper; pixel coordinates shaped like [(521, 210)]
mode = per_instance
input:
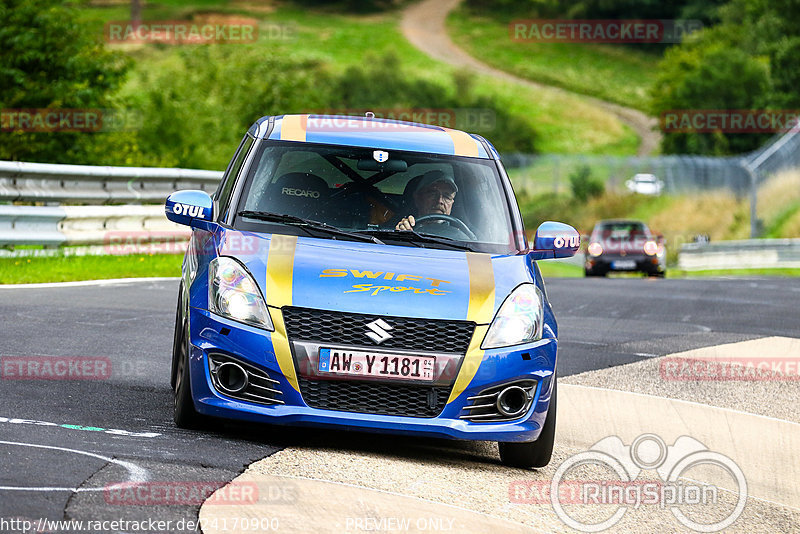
[(211, 334)]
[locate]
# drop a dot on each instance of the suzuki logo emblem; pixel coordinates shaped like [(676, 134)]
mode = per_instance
[(379, 332)]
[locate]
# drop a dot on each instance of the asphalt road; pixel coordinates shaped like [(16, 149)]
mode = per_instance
[(63, 442)]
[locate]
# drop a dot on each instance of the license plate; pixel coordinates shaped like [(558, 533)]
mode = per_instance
[(623, 264), (358, 363)]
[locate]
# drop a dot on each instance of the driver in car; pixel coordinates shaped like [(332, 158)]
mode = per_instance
[(434, 195)]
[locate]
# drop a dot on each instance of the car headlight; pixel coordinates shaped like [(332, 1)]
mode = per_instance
[(232, 293), (595, 249), (519, 320)]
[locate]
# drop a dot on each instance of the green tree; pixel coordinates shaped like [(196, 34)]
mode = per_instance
[(583, 185), (710, 77), (49, 60), (383, 83), (751, 60), (197, 110)]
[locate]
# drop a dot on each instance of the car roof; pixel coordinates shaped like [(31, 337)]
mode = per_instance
[(373, 132)]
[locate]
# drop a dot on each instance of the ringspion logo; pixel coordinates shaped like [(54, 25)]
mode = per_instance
[(621, 486)]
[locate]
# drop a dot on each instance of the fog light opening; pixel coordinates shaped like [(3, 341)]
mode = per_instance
[(232, 378), (512, 401)]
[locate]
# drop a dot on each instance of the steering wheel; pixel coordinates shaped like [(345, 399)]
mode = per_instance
[(455, 222)]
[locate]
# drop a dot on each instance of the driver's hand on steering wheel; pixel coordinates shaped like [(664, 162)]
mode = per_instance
[(406, 224)]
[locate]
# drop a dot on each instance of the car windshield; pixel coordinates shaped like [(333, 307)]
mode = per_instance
[(453, 199), (623, 231)]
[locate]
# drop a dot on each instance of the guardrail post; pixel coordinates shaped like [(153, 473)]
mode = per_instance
[(754, 226)]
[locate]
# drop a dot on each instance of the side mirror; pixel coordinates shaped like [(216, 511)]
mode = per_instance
[(189, 207), (555, 240)]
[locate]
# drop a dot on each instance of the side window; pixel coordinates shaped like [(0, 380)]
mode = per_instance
[(223, 196)]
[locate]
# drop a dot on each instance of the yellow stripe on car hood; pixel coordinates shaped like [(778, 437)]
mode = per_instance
[(280, 267), (480, 311)]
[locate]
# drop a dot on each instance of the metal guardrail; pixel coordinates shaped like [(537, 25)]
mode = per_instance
[(110, 229), (744, 254), (29, 225), (89, 184), (130, 228)]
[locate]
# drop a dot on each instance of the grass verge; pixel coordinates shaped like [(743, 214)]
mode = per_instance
[(564, 123), (71, 268), (613, 73), (559, 269), (551, 269)]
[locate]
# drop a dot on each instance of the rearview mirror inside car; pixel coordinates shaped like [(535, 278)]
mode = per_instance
[(392, 165)]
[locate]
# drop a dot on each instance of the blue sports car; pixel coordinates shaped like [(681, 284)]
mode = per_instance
[(368, 274)]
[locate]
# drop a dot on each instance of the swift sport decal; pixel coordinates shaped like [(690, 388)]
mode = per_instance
[(435, 284), (374, 290)]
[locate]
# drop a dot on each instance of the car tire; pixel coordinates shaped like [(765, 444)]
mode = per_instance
[(185, 414), (534, 453)]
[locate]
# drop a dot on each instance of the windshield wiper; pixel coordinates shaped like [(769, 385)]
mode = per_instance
[(411, 236), (306, 224)]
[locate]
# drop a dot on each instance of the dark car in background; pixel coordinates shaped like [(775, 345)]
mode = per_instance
[(622, 245)]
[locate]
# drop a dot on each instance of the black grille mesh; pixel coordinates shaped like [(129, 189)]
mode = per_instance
[(305, 324), (374, 398)]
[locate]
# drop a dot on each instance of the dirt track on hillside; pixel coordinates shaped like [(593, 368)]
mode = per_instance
[(423, 25)]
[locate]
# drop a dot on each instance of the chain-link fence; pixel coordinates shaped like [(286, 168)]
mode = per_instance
[(676, 174)]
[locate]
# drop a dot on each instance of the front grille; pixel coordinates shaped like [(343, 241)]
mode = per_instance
[(261, 388), (374, 398), (306, 324)]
